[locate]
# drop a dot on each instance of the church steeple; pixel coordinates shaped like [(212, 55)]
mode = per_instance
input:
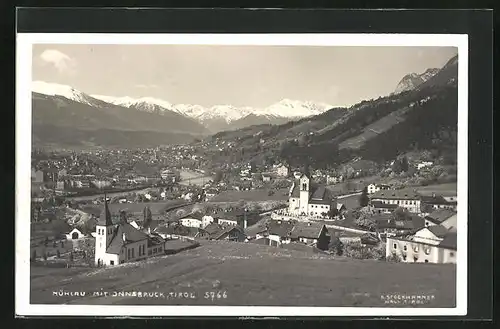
[(105, 218)]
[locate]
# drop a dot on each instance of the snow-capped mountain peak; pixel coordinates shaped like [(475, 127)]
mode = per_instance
[(55, 89)]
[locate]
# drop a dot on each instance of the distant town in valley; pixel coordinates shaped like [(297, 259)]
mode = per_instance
[(334, 206)]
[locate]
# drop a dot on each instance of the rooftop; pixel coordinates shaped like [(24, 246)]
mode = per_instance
[(306, 230), (438, 230), (403, 194), (449, 241), (440, 215), (131, 235)]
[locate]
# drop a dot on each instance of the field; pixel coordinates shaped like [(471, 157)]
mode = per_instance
[(225, 273), (442, 189), (252, 195)]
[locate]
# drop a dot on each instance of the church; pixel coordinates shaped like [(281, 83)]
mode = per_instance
[(121, 242), (309, 199)]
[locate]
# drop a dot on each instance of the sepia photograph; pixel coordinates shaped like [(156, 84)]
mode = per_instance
[(223, 174)]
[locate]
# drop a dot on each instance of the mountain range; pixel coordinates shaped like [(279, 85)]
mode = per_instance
[(147, 121), (215, 118), (422, 117)]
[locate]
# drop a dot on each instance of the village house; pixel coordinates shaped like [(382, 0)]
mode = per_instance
[(277, 232), (119, 243), (372, 188), (443, 217), (405, 198), (312, 234), (440, 202), (229, 233), (231, 218), (307, 198), (387, 225), (333, 179), (434, 244), (192, 220), (282, 170), (380, 207)]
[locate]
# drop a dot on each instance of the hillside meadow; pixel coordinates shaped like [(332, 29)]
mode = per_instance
[(225, 273)]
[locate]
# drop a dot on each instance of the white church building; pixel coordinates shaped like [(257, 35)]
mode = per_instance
[(309, 199), (119, 243)]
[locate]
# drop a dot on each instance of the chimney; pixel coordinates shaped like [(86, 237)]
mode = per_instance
[(433, 194), (245, 223), (124, 238)]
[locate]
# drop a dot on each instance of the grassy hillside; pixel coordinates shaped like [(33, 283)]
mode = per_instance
[(250, 274), (379, 130)]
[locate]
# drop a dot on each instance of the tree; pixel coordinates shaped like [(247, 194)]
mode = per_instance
[(46, 242), (337, 246), (332, 212), (148, 218), (363, 198), (218, 176), (45, 256), (397, 166), (401, 214), (71, 256), (58, 254), (366, 221), (123, 217), (404, 164)]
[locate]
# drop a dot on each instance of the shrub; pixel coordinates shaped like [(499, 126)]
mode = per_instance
[(359, 251), (393, 258)]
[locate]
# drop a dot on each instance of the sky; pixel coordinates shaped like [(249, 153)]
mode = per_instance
[(255, 76)]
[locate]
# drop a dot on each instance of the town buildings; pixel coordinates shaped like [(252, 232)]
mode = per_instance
[(440, 202), (307, 198), (405, 198), (372, 188), (117, 243), (278, 233), (433, 244), (444, 217)]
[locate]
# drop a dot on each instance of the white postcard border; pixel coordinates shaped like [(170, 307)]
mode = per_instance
[(23, 161)]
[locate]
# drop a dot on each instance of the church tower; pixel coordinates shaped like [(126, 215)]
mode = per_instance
[(304, 183), (104, 233)]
